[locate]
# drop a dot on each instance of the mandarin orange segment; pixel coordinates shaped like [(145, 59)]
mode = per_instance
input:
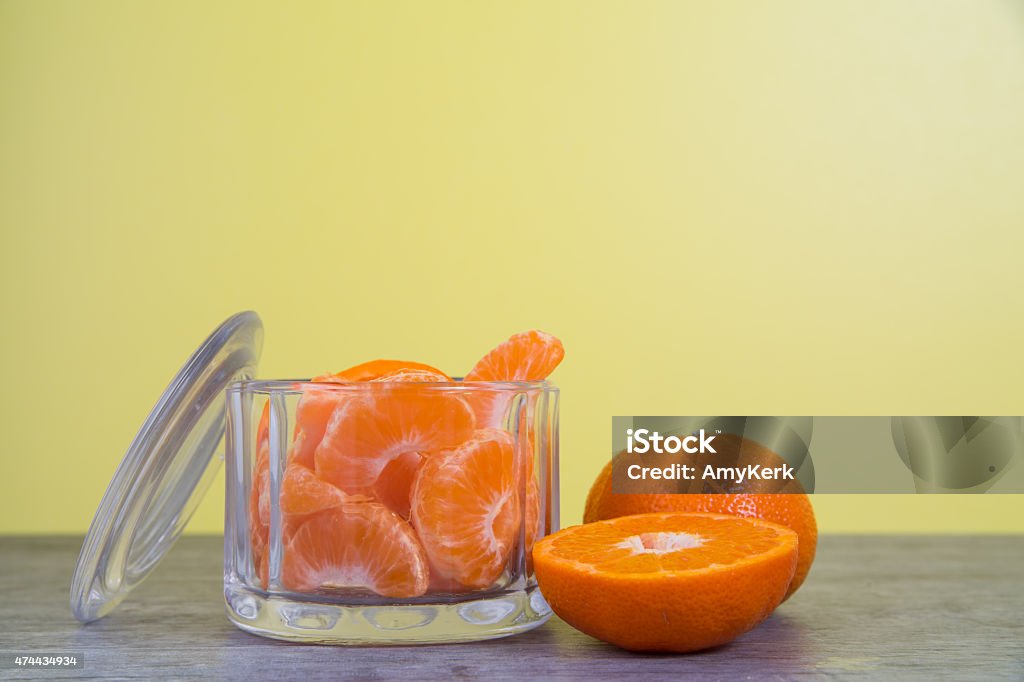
[(666, 582), (394, 485), (528, 356), (413, 376), (465, 508), (359, 545), (303, 493), (531, 512), (368, 371), (263, 428), (316, 406), (370, 430), (312, 415), (259, 498), (259, 511)]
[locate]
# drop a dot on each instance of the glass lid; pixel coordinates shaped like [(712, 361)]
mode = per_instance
[(167, 469)]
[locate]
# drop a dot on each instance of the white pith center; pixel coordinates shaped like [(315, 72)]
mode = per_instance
[(660, 543)]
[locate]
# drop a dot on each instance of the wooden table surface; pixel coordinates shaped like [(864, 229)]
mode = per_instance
[(879, 607)]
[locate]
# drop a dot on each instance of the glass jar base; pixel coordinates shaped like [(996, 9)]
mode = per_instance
[(489, 617)]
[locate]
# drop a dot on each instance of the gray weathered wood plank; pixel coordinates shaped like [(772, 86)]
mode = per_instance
[(882, 607)]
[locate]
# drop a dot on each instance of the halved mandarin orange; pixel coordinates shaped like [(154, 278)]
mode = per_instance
[(370, 429), (358, 545), (465, 508), (790, 506), (666, 582)]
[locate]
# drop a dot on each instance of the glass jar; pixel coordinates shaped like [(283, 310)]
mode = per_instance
[(388, 512), (363, 512)]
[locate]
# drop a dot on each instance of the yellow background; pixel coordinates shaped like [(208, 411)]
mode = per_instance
[(720, 207)]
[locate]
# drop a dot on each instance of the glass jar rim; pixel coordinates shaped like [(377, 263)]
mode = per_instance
[(297, 386)]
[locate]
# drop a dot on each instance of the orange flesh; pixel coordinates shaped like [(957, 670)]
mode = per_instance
[(529, 356), (368, 431), (357, 545), (303, 493), (466, 510), (394, 485), (414, 376), (791, 509), (368, 371), (675, 582), (646, 544)]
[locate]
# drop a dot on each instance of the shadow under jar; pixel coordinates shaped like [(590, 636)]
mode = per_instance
[(388, 512)]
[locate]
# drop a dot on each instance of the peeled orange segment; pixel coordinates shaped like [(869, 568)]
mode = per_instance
[(259, 511), (259, 495), (311, 418), (374, 369), (666, 582), (316, 406), (263, 428), (394, 485), (465, 508), (528, 356), (531, 511), (303, 493), (312, 415), (414, 376), (359, 545), (259, 502), (370, 430), (490, 408)]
